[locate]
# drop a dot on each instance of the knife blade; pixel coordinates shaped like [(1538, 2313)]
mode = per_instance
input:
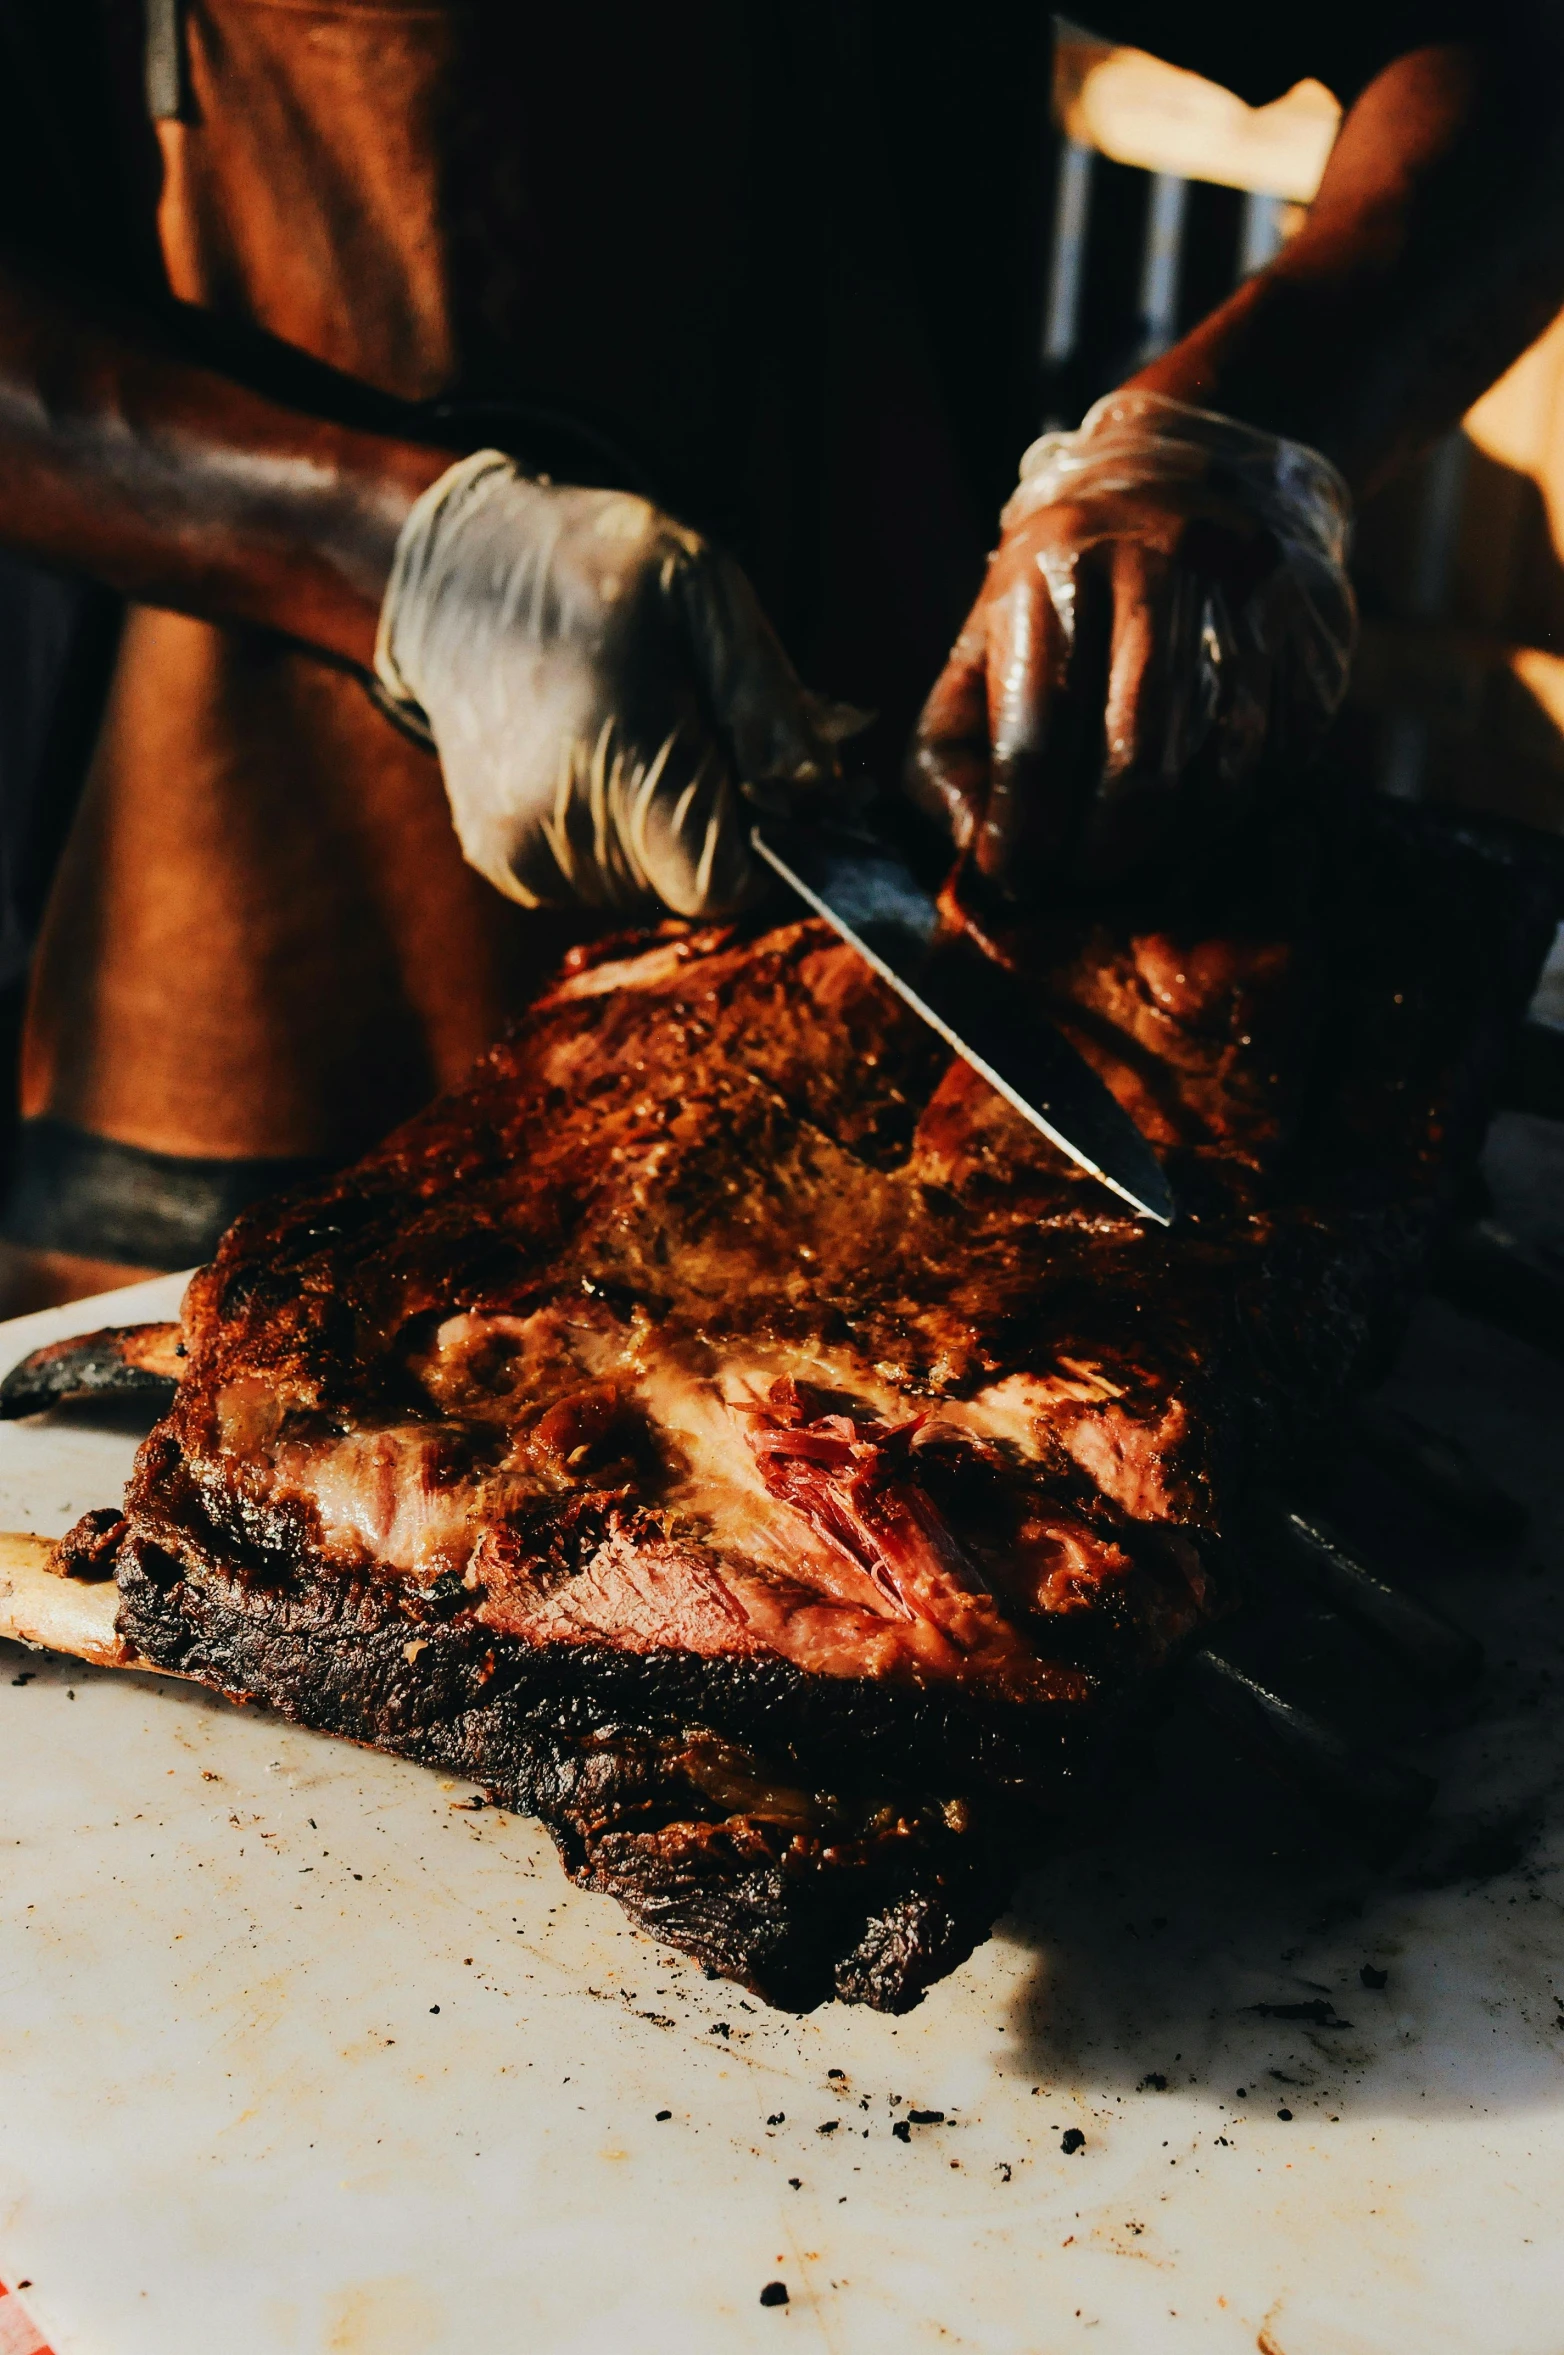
[(874, 901)]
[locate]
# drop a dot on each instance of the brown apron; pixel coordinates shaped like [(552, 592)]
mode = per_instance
[(262, 942)]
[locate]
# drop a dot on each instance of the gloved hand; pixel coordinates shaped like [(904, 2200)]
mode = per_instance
[(1168, 605), (602, 689)]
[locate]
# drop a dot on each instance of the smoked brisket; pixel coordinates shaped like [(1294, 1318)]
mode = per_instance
[(725, 1430)]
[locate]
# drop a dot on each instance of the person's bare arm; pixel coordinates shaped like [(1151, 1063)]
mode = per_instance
[(124, 460), (1144, 647), (597, 681), (1432, 256)]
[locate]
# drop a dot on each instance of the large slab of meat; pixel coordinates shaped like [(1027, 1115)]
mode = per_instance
[(725, 1430)]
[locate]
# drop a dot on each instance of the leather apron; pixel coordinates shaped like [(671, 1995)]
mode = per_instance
[(262, 944)]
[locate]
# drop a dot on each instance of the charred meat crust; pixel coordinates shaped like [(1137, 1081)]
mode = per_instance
[(386, 1674), (90, 1549), (716, 1801)]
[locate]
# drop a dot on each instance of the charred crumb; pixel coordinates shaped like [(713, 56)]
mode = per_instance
[(1071, 2141), (902, 2127)]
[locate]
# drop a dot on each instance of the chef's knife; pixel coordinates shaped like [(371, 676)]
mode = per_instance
[(873, 899)]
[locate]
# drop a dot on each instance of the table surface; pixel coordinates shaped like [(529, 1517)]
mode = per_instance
[(300, 2052)]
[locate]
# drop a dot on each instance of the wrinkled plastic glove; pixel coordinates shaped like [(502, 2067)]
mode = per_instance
[(1167, 610), (603, 691)]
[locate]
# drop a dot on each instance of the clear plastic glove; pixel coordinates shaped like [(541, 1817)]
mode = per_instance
[(602, 689), (1168, 607)]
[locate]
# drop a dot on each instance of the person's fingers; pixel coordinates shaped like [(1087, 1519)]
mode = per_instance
[(637, 816), (687, 829), (604, 808), (1030, 807), (1199, 656), (948, 765), (1130, 808), (1047, 678), (1135, 710), (777, 732)]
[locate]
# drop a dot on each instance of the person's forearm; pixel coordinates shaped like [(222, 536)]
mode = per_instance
[(1433, 255), (166, 480)]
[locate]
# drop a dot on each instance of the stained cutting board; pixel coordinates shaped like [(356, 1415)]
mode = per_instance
[(301, 2052)]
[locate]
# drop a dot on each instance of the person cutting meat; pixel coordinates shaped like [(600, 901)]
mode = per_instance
[(548, 373)]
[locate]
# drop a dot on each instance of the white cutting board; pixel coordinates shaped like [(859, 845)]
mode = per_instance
[(232, 2117)]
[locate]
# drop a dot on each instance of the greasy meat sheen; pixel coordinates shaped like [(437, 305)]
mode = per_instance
[(724, 1428)]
